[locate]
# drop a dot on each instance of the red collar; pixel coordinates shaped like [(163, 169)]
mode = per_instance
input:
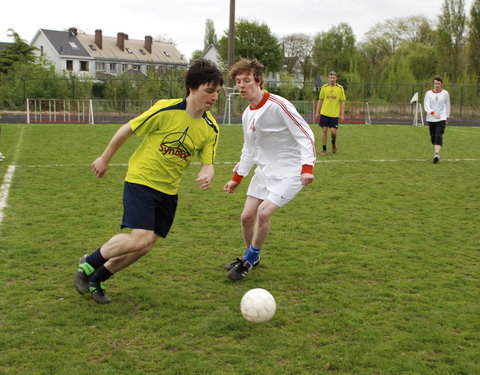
[(262, 102)]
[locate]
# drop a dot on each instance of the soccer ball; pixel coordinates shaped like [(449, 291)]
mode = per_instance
[(258, 305)]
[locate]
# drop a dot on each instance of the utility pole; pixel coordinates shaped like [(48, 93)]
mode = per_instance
[(231, 40)]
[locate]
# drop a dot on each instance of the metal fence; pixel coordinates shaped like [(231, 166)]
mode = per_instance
[(131, 96)]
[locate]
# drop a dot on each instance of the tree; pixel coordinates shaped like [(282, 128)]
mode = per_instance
[(474, 39), (196, 54), (334, 49), (416, 29), (254, 41), (210, 37), (393, 33), (450, 38), (413, 37), (421, 59), (164, 38), (17, 52), (297, 49), (372, 60)]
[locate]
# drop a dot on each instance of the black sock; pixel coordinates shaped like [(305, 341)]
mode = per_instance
[(96, 259), (324, 147), (101, 274)]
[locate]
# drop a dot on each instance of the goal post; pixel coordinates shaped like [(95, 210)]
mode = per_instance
[(229, 102), (65, 111), (357, 113)]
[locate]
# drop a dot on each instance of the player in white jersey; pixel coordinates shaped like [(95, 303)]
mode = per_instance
[(437, 106), (282, 145)]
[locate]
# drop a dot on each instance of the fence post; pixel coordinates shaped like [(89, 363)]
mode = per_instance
[(461, 101), (28, 111)]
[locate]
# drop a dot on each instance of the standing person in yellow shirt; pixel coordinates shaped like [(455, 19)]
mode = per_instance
[(330, 106), (173, 130)]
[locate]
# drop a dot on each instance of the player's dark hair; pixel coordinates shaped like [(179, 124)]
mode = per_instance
[(438, 79), (248, 66), (200, 72)]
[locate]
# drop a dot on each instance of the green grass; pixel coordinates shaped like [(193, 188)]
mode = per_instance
[(375, 266)]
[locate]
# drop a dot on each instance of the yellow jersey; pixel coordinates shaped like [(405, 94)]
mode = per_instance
[(331, 96), (170, 139)]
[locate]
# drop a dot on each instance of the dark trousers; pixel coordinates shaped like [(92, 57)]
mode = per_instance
[(436, 131)]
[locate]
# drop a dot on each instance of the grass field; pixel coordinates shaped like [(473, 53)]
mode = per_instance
[(374, 267)]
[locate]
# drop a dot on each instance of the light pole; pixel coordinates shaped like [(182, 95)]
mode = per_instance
[(231, 40)]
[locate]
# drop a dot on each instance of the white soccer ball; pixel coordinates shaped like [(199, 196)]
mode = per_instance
[(258, 305)]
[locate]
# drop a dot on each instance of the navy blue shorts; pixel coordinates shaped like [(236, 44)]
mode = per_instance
[(331, 122), (147, 208)]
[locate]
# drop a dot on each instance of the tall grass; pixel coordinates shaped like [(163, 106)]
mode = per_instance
[(375, 266)]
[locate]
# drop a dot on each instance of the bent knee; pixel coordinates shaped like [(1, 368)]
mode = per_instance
[(144, 240), (264, 215)]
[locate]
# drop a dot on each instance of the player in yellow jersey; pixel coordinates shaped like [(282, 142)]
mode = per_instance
[(173, 131), (330, 106)]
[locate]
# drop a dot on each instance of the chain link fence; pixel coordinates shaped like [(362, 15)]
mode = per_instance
[(120, 99)]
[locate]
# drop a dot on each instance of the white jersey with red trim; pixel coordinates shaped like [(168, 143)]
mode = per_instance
[(276, 138), (439, 103)]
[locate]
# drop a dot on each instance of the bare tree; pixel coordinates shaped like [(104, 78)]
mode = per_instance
[(297, 49)]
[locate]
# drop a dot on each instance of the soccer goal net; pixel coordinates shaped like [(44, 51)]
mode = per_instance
[(63, 111), (357, 113), (231, 107)]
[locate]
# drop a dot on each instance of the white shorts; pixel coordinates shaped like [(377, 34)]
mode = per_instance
[(279, 191)]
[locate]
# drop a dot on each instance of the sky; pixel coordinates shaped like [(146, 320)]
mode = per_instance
[(183, 21)]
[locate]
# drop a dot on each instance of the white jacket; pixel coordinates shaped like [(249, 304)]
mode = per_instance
[(276, 138), (437, 102)]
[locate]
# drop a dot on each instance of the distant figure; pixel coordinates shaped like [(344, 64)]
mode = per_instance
[(330, 106), (437, 106)]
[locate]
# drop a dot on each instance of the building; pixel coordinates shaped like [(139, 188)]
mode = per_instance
[(103, 56), (212, 54), (4, 45)]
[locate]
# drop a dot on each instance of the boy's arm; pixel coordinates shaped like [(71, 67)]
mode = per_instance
[(100, 165), (205, 176)]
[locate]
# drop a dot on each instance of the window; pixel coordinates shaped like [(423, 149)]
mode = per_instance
[(166, 53), (84, 66), (73, 45), (92, 47), (129, 50), (41, 50), (142, 52), (113, 67), (100, 66), (124, 67), (70, 65)]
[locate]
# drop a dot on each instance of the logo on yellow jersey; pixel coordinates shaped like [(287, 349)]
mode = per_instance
[(176, 147)]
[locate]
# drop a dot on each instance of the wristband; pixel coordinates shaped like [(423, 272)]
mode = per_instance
[(237, 178), (307, 169)]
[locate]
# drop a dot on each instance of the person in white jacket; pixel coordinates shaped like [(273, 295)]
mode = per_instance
[(437, 106), (281, 144)]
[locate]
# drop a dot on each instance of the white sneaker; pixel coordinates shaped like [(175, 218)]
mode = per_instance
[(2, 158)]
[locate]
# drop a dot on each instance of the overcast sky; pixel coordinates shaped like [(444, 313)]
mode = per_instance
[(183, 21)]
